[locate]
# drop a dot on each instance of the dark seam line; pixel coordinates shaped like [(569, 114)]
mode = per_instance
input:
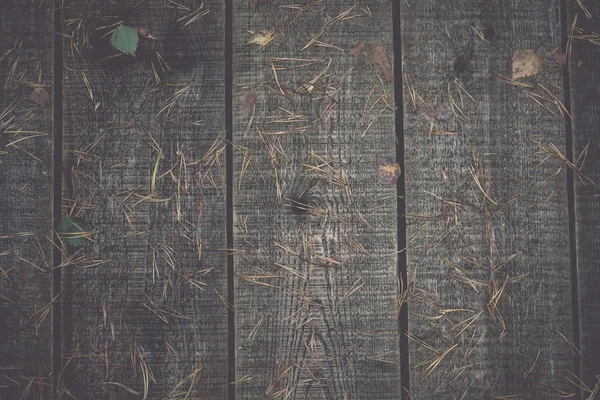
[(57, 201), (229, 201), (401, 204), (571, 191)]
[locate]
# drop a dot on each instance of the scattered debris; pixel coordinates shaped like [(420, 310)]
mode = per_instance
[(330, 23), (525, 63), (460, 328), (380, 59), (194, 16)]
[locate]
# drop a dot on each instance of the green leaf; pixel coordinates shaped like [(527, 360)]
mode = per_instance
[(125, 39), (73, 229)]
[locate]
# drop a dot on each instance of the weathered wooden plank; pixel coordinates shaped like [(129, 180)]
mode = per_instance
[(26, 182), (585, 111), (486, 199), (315, 231), (142, 162)]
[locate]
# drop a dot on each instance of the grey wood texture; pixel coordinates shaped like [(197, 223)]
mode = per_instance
[(584, 55), (144, 163), (316, 288), (316, 283), (26, 153), (486, 199)]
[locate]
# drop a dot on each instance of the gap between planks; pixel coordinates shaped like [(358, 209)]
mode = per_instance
[(231, 390), (401, 202), (57, 202), (564, 32)]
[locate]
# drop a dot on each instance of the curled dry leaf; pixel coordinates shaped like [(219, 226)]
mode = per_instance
[(249, 102), (525, 63), (145, 33), (380, 59), (40, 97), (389, 173), (358, 48)]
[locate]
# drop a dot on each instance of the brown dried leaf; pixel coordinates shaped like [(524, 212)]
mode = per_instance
[(40, 97), (358, 48), (389, 173), (560, 58), (249, 102), (525, 63), (380, 59), (143, 32)]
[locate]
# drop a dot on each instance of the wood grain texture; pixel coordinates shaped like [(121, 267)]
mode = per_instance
[(144, 318), (316, 276), (585, 111), (26, 153), (486, 199)]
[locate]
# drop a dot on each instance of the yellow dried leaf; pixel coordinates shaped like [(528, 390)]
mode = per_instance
[(261, 37), (525, 63), (389, 173)]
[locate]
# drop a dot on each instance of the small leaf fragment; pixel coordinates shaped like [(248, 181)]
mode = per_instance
[(40, 97), (358, 48), (560, 58), (380, 59), (73, 229), (389, 173), (249, 102), (525, 63), (125, 39)]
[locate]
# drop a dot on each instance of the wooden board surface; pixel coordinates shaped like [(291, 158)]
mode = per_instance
[(315, 231), (143, 159), (585, 110), (26, 153), (316, 292), (486, 200)]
